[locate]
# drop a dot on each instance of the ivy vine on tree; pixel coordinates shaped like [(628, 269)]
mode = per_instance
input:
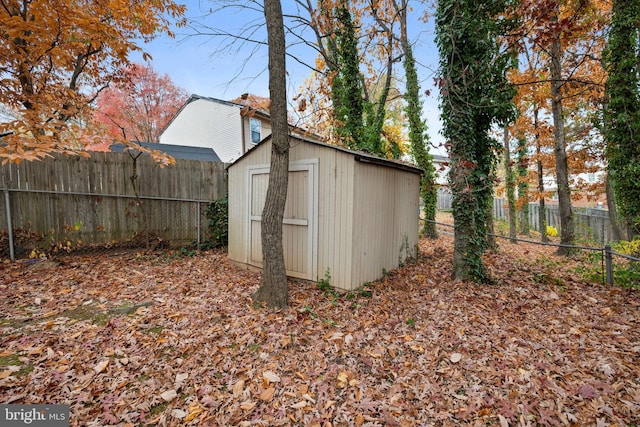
[(622, 110), (474, 96), (418, 137), (347, 86)]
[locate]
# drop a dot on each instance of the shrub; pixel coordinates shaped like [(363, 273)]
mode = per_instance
[(552, 231), (627, 247), (217, 214), (627, 274)]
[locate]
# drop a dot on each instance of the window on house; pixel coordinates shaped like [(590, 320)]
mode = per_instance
[(255, 130)]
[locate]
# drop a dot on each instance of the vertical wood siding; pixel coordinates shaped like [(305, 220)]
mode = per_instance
[(364, 213), (385, 220)]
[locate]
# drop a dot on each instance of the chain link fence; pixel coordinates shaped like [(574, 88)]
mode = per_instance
[(65, 203), (591, 224), (83, 220)]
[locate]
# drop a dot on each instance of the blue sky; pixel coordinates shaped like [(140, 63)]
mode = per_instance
[(208, 66)]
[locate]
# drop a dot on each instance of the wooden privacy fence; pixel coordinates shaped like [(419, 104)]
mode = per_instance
[(589, 223), (71, 200)]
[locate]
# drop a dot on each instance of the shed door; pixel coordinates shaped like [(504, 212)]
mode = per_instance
[(299, 226)]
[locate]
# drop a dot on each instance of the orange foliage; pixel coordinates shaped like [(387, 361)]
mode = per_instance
[(54, 58), (253, 101), (581, 26), (376, 23), (139, 108)]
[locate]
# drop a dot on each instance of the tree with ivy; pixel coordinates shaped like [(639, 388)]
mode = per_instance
[(474, 96), (347, 84), (418, 138), (622, 110)]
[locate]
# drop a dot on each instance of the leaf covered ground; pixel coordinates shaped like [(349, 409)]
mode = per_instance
[(135, 339)]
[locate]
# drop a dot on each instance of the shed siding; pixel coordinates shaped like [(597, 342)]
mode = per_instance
[(341, 248), (364, 213), (335, 201), (386, 219), (195, 126), (299, 219), (238, 212)]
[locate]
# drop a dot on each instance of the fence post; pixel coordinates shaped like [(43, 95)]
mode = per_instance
[(198, 221), (7, 206), (609, 267)]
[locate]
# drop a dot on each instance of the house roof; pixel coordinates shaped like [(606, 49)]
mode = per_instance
[(176, 151), (440, 159), (360, 156)]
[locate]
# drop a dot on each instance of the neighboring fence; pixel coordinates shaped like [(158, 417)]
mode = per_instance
[(606, 254), (590, 223), (444, 199), (64, 199)]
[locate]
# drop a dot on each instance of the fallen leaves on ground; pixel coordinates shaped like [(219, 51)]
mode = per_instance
[(145, 339)]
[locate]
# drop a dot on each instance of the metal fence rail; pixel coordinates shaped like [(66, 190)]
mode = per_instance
[(66, 201), (77, 218), (606, 252), (590, 223)]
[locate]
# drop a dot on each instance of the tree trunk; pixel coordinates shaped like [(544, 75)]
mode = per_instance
[(464, 232), (523, 187), (542, 214), (562, 168), (510, 184), (273, 290), (492, 243)]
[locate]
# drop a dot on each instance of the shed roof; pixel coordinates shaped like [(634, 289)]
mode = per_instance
[(360, 156), (176, 151)]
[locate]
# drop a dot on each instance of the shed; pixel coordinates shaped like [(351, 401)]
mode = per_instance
[(348, 215)]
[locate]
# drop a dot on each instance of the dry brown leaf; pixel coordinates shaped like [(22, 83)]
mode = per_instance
[(248, 405), (238, 388), (267, 395), (180, 379), (342, 379), (270, 377), (169, 395), (195, 411), (101, 366), (299, 405), (178, 413)]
